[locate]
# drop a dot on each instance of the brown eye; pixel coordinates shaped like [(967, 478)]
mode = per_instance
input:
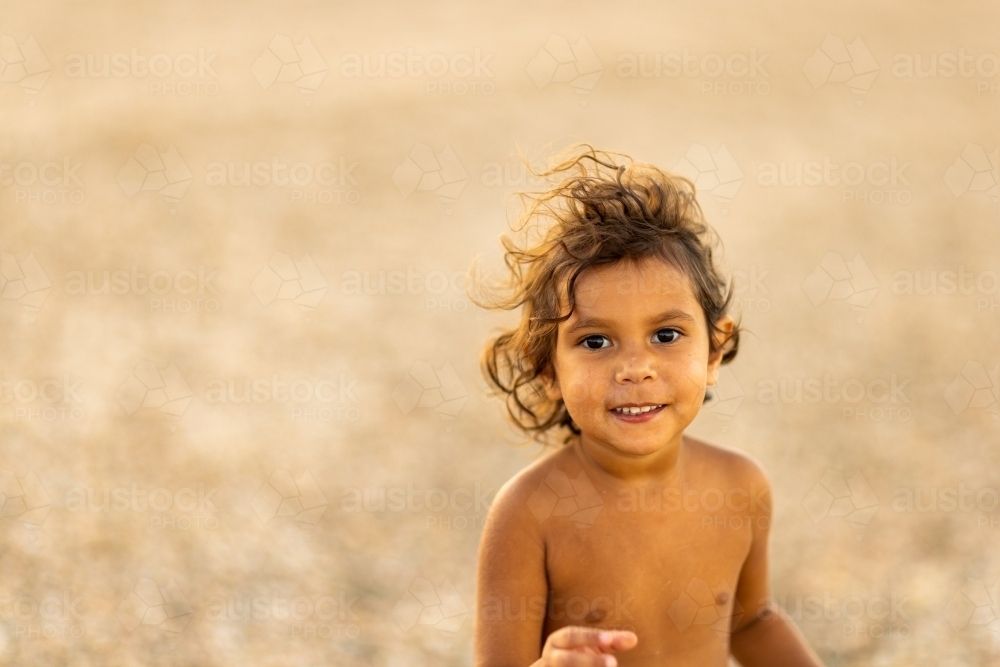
[(595, 342), (666, 335)]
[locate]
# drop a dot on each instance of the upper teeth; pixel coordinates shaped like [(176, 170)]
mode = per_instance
[(635, 411)]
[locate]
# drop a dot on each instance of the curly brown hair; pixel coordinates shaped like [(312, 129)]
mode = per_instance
[(605, 213)]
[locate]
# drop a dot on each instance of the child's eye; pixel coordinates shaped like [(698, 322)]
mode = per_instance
[(666, 335), (595, 342)]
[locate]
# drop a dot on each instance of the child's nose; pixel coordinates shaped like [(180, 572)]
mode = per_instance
[(636, 367)]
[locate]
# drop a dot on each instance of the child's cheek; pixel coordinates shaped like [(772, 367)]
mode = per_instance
[(582, 387), (693, 373)]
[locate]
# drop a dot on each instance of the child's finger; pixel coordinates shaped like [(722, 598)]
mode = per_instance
[(622, 640), (575, 636), (571, 658)]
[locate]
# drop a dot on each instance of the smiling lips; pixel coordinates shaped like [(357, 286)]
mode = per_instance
[(629, 410)]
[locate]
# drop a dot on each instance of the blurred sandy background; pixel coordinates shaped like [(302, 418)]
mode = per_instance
[(242, 417)]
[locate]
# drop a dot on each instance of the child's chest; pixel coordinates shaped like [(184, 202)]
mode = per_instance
[(669, 572)]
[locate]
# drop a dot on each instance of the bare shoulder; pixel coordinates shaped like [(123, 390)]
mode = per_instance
[(732, 466), (520, 508), (515, 495)]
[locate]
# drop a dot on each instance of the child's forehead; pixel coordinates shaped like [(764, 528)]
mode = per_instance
[(648, 277)]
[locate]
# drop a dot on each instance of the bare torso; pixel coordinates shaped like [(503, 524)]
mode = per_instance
[(661, 559)]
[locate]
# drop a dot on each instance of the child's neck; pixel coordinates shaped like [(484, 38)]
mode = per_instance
[(661, 467)]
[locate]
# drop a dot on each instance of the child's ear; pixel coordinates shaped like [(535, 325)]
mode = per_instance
[(721, 338)]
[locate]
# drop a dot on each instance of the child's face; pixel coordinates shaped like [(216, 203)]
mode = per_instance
[(637, 337)]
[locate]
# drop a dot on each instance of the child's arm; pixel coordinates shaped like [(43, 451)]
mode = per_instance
[(764, 635), (512, 599)]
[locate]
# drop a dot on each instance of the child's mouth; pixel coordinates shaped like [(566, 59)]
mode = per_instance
[(636, 414)]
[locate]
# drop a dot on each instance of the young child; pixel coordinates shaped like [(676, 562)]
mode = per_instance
[(631, 543)]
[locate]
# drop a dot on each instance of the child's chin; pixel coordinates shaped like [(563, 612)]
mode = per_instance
[(640, 447)]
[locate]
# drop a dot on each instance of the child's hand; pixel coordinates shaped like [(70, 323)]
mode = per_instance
[(576, 646)]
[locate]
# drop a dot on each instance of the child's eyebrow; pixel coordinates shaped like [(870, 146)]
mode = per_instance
[(598, 323)]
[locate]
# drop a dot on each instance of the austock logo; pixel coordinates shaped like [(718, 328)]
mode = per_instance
[(24, 282), (181, 74), (860, 616), (835, 496), (719, 74), (561, 62), (140, 499), (426, 170), (836, 279), (138, 65), (283, 496), (726, 396), (413, 64), (49, 182), (46, 617), (326, 182), (715, 172), (427, 387), (701, 604), (187, 290), (150, 170), (43, 399), (23, 498), (284, 62), (321, 617), (975, 387), (559, 496), (160, 389), (23, 64), (983, 66), (165, 607), (836, 62), (863, 399), (974, 171), (438, 606), (874, 182), (459, 508), (976, 604), (283, 279), (462, 73)]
